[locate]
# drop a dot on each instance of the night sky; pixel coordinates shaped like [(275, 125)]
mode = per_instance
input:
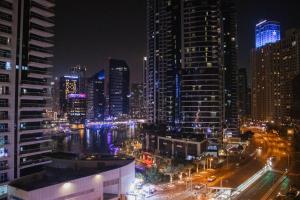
[(89, 32)]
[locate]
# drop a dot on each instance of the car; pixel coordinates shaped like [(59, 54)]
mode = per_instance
[(198, 187), (211, 178)]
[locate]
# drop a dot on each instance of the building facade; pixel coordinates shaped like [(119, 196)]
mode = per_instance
[(229, 16), (68, 84), (243, 98), (274, 67), (118, 88), (76, 108), (163, 61), (184, 73), (202, 80), (136, 100), (267, 32), (295, 111), (83, 178), (96, 96), (26, 42)]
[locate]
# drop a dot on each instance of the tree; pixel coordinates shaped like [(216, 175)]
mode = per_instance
[(170, 171), (189, 167), (153, 176), (197, 163), (180, 169)]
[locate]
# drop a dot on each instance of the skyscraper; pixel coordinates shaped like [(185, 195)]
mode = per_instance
[(267, 32), (26, 49), (96, 96), (136, 101), (184, 73), (68, 85), (76, 108), (274, 68), (80, 71), (229, 16), (202, 81), (118, 88), (163, 61)]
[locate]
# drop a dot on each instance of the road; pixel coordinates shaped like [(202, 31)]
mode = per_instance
[(260, 187), (264, 146)]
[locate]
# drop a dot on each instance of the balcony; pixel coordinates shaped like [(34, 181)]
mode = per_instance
[(36, 151), (41, 22), (43, 33), (34, 107), (6, 10), (46, 3), (5, 22), (33, 118), (37, 130), (37, 41), (42, 12), (34, 162), (35, 140), (39, 74), (39, 53), (39, 63), (34, 85)]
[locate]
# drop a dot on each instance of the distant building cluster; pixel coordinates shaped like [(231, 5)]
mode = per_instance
[(105, 95)]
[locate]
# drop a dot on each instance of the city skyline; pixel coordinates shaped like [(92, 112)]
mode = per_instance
[(67, 53), (149, 99)]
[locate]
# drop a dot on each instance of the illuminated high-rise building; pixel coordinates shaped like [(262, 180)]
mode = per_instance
[(26, 43), (76, 109), (163, 61), (191, 60), (266, 32), (274, 68), (118, 88), (202, 80), (96, 99), (69, 84), (229, 16), (80, 71), (136, 106)]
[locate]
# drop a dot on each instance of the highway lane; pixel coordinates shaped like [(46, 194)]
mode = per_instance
[(260, 187), (282, 188)]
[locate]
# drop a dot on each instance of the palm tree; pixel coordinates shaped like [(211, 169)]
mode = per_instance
[(170, 171), (197, 163), (189, 167), (180, 169)]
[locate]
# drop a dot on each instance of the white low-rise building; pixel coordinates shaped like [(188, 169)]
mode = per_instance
[(70, 177)]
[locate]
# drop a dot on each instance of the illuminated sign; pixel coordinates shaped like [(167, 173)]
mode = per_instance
[(77, 96)]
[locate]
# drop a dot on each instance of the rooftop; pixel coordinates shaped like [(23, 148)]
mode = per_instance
[(67, 172)]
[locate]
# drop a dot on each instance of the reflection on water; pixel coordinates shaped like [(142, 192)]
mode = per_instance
[(101, 140)]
